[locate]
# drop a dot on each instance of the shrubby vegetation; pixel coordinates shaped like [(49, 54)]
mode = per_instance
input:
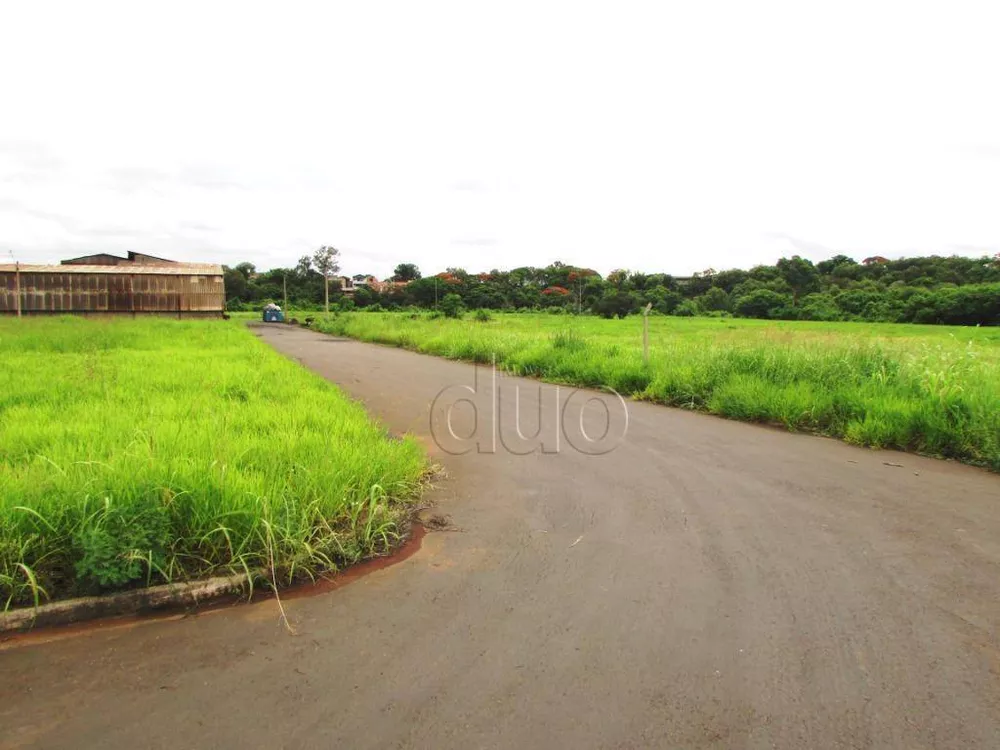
[(951, 291), (147, 451)]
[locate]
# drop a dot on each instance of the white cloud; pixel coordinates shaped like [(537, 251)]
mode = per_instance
[(645, 135)]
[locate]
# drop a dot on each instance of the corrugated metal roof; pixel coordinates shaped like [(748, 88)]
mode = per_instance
[(179, 269)]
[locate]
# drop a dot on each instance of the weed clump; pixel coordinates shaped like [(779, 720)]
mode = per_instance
[(568, 340)]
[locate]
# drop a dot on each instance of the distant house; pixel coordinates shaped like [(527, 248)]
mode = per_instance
[(349, 285), (110, 284), (875, 260), (391, 285)]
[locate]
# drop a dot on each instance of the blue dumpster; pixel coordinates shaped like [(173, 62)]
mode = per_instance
[(273, 316)]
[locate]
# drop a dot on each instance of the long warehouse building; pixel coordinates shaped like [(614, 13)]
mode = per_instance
[(107, 284)]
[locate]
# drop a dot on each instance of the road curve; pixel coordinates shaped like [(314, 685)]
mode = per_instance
[(706, 584)]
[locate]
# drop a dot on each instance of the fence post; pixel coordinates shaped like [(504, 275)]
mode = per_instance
[(645, 332)]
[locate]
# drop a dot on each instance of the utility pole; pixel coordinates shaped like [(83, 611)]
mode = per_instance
[(435, 291), (284, 285)]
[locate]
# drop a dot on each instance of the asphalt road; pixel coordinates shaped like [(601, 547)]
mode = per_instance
[(704, 584)]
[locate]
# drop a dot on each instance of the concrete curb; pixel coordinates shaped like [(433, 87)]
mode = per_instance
[(126, 602)]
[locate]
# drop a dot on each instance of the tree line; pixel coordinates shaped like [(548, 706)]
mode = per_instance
[(949, 290)]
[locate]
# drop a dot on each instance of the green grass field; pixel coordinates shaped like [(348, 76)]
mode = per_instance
[(135, 452), (932, 389)]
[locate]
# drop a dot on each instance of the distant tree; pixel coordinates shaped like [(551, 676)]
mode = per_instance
[(728, 280), (664, 301), (933, 289), (714, 299), (247, 269), (559, 274), (618, 278), (764, 273), (828, 266), (859, 302), (686, 309), (484, 295), (326, 261), (235, 283), (615, 304), (762, 303), (363, 297), (974, 304), (406, 272), (818, 307), (697, 285), (844, 273), (304, 266), (422, 291), (654, 280), (800, 274)]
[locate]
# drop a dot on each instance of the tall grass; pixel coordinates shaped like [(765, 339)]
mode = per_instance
[(135, 452), (930, 389)]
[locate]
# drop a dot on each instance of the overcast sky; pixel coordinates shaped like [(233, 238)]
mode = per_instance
[(651, 136)]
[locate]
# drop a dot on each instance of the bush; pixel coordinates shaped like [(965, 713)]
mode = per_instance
[(686, 309), (714, 299), (818, 307), (974, 304), (762, 303), (452, 306), (664, 301), (615, 304), (107, 547), (571, 340), (483, 316)]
